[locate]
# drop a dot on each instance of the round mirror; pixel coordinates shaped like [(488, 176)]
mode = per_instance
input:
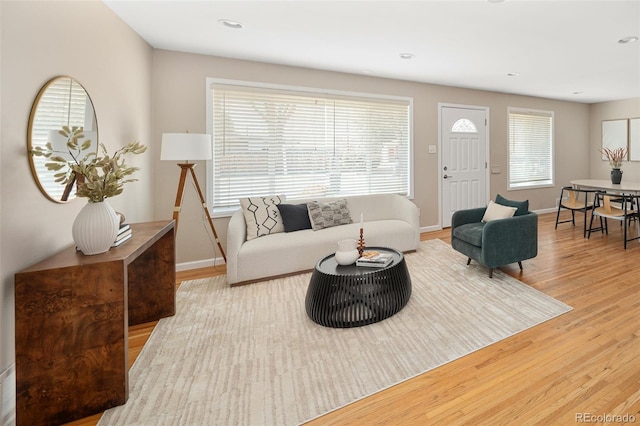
[(61, 103)]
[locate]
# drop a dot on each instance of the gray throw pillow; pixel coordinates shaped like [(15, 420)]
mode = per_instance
[(327, 214)]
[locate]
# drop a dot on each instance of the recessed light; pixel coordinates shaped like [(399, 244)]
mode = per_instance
[(496, 1), (513, 74), (407, 55), (231, 24), (629, 39)]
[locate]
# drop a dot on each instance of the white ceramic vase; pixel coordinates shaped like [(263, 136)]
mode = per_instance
[(347, 252), (95, 228)]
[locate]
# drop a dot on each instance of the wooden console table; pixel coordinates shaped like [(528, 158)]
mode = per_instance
[(72, 317)]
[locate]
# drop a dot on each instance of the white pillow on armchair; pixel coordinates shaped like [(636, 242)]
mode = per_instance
[(498, 211)]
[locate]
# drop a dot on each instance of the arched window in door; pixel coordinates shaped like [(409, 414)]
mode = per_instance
[(464, 125)]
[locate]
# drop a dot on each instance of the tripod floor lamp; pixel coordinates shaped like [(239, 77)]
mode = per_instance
[(185, 147)]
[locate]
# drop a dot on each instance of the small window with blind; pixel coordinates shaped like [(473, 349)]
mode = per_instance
[(305, 144), (530, 148)]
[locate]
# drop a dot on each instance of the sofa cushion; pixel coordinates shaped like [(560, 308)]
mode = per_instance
[(496, 211), (295, 217), (470, 233), (522, 206), (328, 214), (262, 215)]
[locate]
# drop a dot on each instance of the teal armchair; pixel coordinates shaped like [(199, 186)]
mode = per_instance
[(497, 242)]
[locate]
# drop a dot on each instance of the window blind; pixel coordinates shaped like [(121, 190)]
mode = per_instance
[(270, 141), (530, 148)]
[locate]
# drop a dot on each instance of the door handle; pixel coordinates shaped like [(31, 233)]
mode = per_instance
[(447, 176)]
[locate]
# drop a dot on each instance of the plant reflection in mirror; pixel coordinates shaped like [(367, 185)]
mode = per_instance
[(97, 177)]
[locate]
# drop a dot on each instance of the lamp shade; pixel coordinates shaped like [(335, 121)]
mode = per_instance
[(185, 146)]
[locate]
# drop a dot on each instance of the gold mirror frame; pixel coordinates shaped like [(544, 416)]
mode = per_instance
[(62, 101)]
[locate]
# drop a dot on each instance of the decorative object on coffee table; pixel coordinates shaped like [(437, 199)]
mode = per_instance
[(347, 252), (351, 296), (374, 259), (361, 240)]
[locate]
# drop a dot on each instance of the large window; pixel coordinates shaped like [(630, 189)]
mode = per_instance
[(305, 144), (530, 148)]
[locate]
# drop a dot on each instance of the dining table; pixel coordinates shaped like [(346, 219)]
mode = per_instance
[(624, 188), (606, 185)]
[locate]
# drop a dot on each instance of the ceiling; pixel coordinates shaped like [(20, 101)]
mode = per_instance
[(565, 50)]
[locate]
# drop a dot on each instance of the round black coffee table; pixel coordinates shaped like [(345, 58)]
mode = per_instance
[(352, 296)]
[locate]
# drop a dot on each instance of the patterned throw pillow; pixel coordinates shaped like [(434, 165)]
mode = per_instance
[(262, 215), (332, 213)]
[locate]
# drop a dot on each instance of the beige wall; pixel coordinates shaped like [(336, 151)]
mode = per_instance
[(41, 40), (179, 105), (600, 169)]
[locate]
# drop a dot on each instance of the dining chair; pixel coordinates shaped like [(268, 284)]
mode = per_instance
[(619, 207), (575, 200)]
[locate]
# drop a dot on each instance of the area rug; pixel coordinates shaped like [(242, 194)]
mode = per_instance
[(249, 355)]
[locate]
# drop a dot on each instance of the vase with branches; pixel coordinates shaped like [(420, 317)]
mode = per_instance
[(97, 176), (615, 158)]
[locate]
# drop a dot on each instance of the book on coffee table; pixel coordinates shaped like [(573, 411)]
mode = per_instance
[(375, 259)]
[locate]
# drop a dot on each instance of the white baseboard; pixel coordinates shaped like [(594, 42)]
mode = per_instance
[(430, 228), (550, 210), (8, 396), (197, 264)]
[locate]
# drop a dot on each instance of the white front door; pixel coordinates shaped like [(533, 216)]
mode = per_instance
[(463, 159)]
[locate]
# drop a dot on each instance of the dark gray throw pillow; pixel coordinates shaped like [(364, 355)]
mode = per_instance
[(295, 217), (522, 206)]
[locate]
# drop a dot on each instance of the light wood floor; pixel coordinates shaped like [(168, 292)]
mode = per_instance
[(583, 363)]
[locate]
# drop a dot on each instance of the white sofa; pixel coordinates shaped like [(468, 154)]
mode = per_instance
[(389, 221)]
